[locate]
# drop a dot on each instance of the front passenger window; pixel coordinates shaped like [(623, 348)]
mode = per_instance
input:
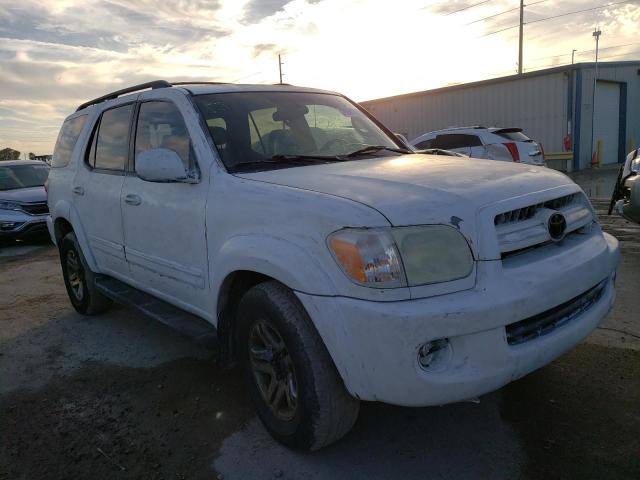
[(160, 125)]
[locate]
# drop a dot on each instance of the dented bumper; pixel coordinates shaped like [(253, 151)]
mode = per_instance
[(375, 345)]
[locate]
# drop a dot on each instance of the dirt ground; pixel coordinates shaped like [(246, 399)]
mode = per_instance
[(119, 396)]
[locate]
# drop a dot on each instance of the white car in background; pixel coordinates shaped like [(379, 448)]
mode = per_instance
[(507, 144)]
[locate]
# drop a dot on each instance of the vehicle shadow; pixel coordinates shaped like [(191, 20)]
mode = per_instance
[(458, 441)]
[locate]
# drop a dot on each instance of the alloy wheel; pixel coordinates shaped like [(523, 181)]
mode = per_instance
[(273, 370), (75, 275)]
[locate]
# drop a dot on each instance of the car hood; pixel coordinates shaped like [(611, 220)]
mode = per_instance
[(24, 195), (419, 189)]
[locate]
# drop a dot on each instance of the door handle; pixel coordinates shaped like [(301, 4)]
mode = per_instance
[(78, 190), (132, 199)]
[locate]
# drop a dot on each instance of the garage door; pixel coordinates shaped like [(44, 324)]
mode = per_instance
[(607, 120)]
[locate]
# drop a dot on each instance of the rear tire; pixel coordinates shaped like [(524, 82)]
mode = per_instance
[(79, 279), (315, 408)]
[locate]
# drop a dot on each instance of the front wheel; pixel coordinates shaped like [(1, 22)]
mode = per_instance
[(291, 378), (79, 279)]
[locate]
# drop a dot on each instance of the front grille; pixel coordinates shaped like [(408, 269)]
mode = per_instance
[(546, 322), (524, 213), (39, 208)]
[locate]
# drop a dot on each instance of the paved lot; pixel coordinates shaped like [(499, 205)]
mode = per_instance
[(119, 396)]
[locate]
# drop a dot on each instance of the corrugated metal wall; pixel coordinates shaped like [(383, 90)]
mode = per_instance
[(626, 75), (538, 104)]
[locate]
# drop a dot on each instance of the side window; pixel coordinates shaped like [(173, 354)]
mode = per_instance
[(160, 125), (261, 128), (326, 121), (424, 144), (111, 147), (219, 133), (67, 139), (456, 140)]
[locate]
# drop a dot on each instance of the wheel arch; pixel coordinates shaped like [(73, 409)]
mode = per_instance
[(246, 260), (65, 220)]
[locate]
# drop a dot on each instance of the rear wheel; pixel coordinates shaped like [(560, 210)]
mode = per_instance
[(291, 378), (79, 279)]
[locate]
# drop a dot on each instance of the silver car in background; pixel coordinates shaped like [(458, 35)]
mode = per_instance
[(626, 193), (23, 200), (506, 144)]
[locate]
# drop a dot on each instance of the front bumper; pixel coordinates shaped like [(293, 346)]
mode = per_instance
[(17, 225), (375, 344)]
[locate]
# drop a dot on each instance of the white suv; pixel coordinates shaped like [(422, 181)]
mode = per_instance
[(507, 144), (292, 229)]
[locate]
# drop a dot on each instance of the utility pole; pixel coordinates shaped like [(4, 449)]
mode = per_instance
[(596, 33), (573, 52), (280, 67), (520, 37)]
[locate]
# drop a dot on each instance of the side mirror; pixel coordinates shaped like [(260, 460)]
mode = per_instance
[(160, 165), (403, 139)]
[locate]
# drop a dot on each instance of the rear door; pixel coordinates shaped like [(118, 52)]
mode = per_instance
[(97, 187), (164, 223), (464, 143)]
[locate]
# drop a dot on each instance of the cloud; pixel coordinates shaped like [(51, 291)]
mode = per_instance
[(257, 10), (261, 48), (56, 54)]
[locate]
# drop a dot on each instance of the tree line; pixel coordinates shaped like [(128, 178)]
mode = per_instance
[(11, 154)]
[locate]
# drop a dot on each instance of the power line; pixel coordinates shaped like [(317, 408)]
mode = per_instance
[(620, 54), (503, 12), (579, 11), (557, 16), (468, 7), (535, 67), (584, 52), (492, 16)]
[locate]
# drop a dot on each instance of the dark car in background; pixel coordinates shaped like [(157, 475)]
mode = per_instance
[(23, 200)]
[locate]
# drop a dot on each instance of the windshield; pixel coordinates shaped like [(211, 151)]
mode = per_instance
[(22, 176), (254, 130)]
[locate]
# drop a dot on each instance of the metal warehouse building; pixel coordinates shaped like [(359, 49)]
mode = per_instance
[(553, 106)]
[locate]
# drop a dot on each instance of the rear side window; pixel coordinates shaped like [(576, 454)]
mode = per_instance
[(110, 145), (513, 135), (455, 140), (424, 144), (67, 139), (160, 125)]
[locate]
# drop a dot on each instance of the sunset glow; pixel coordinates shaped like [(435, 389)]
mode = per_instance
[(54, 55)]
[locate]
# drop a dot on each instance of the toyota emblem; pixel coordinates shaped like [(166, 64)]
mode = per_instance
[(557, 226)]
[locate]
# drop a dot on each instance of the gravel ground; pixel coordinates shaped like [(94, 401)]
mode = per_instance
[(120, 396)]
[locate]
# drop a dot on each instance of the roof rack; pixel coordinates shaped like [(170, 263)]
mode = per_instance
[(110, 96), (200, 83)]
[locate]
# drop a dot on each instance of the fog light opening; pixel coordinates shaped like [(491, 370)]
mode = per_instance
[(434, 355), (8, 225)]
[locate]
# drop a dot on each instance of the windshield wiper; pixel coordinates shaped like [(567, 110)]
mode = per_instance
[(281, 159), (376, 148)]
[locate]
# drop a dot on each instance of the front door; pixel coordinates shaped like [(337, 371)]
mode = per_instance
[(164, 223), (98, 186)]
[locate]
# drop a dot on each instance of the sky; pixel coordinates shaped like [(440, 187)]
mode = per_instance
[(56, 54)]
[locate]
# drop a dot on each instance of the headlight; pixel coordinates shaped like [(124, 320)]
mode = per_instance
[(368, 257), (4, 205), (404, 256)]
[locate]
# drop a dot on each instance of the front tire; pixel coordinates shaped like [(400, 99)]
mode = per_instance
[(291, 378), (79, 279)]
